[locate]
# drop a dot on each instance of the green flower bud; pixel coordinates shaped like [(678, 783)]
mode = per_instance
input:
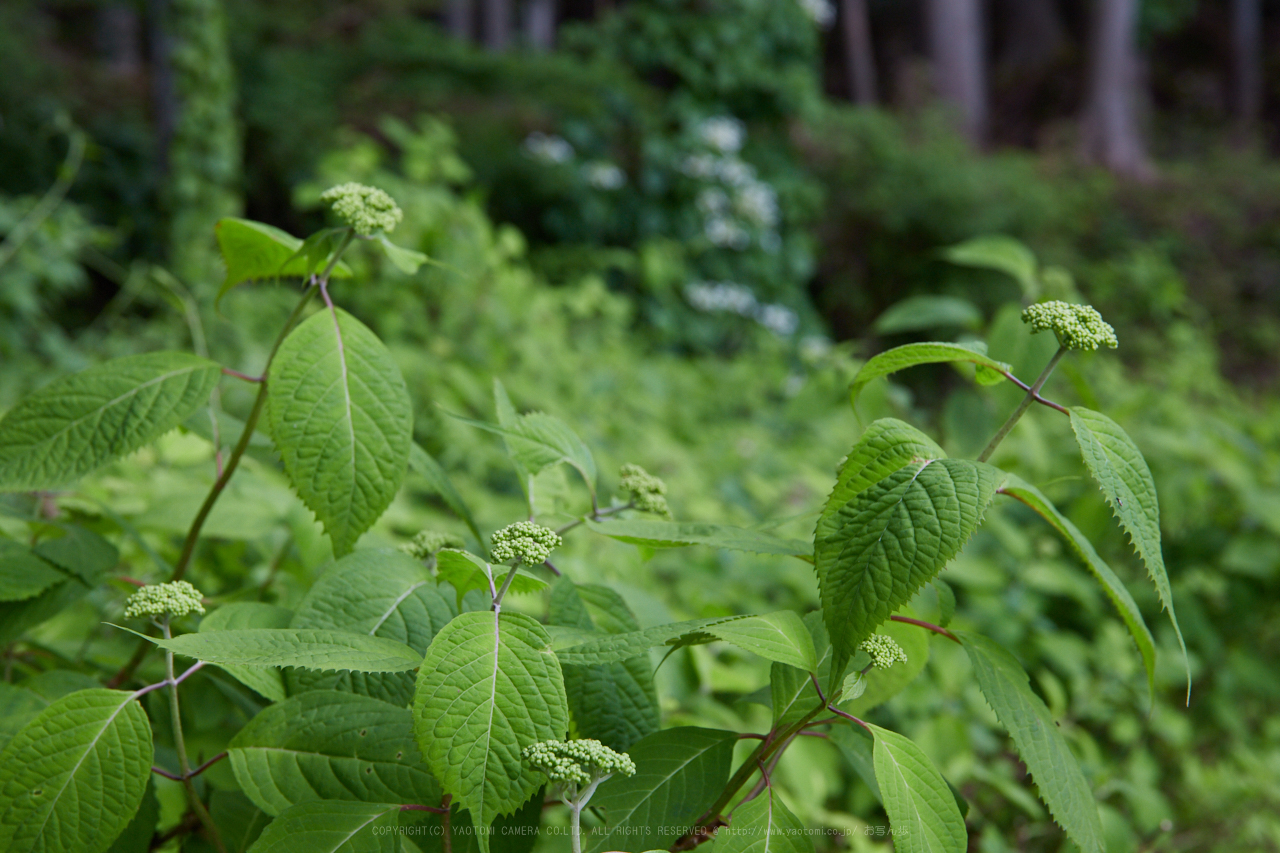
[(578, 762), (366, 209), (648, 493), (176, 599), (528, 542), (884, 651), (1077, 326), (428, 542)]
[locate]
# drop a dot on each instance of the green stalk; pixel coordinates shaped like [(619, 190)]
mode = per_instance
[(1031, 397), (180, 745)]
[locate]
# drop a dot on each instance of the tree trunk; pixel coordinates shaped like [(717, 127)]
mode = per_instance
[(859, 60), (1035, 33), (957, 47), (459, 18), (1110, 132), (164, 100), (497, 24), (116, 32), (1246, 58), (540, 23)]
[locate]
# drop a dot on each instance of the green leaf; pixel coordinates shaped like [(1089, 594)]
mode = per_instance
[(332, 827), (920, 806), (239, 821), (22, 574), (309, 649), (678, 534), (927, 311), (679, 774), (141, 829), (615, 702), (1035, 733), (425, 465), (342, 420), (16, 617), (488, 687), (79, 423), (881, 685), (791, 689), (1000, 253), (405, 260), (538, 440), (1115, 589), (330, 746), (910, 355), (73, 777), (81, 552), (265, 681), (857, 746), (255, 251), (779, 636), (465, 572), (764, 825), (17, 706), (1120, 469), (946, 600), (382, 593), (616, 647), (892, 539)]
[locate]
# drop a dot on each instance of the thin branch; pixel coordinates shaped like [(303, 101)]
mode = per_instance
[(226, 371), (850, 717), (818, 688), (1041, 400), (414, 807), (1032, 393), (928, 626)]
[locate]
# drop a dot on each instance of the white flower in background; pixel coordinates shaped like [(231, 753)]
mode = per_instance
[(713, 201), (821, 12), (721, 296), (604, 175), (779, 319), (758, 203), (726, 234), (734, 172), (699, 166), (548, 148), (723, 133), (770, 242), (814, 347)]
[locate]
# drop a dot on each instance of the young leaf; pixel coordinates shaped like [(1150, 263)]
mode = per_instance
[(764, 825), (1016, 488), (330, 746), (380, 593), (465, 572), (892, 539), (342, 420), (538, 440), (1120, 469), (266, 681), (332, 826), (1035, 733), (616, 647), (920, 806), (679, 773), (1000, 253), (78, 423), (425, 465), (405, 260), (779, 636), (309, 649), (910, 355), (488, 687), (255, 251), (22, 574), (678, 534), (791, 689), (73, 777)]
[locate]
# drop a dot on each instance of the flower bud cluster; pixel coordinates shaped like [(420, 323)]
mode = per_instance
[(648, 493), (428, 542), (1077, 326), (884, 651), (175, 599), (528, 542), (366, 209), (578, 762)]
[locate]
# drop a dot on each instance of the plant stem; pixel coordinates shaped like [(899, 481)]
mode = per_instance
[(1032, 395), (928, 626), (446, 825), (180, 745), (502, 591)]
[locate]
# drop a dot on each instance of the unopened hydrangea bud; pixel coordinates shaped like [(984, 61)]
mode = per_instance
[(175, 599), (884, 651), (1077, 326), (528, 542), (365, 209), (648, 493), (428, 542), (578, 762)]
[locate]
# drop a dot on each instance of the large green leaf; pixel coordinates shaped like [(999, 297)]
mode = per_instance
[(779, 636), (332, 827), (78, 423), (893, 538), (263, 680), (607, 648), (1016, 488), (1035, 733), (72, 778), (1000, 253), (678, 534), (342, 420), (22, 574), (791, 689), (910, 355), (488, 687), (615, 702), (424, 464), (255, 251), (80, 551), (920, 806), (380, 593), (84, 555), (764, 825), (1121, 470), (307, 648), (330, 746), (679, 774)]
